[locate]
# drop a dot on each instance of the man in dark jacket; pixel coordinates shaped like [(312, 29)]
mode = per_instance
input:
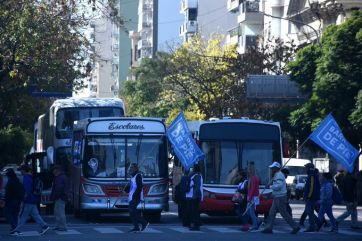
[(194, 197), (29, 206), (135, 196), (180, 190), (14, 195), (348, 187), (311, 196), (60, 194)]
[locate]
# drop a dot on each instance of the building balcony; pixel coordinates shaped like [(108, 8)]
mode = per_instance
[(188, 27), (233, 6), (251, 17), (144, 44), (232, 36), (186, 4)]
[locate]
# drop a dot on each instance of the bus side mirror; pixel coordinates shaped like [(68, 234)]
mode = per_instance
[(50, 155)]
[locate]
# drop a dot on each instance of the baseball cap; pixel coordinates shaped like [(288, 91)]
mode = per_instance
[(275, 164)]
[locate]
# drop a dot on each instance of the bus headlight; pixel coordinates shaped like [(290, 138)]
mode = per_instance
[(158, 189), (91, 189)]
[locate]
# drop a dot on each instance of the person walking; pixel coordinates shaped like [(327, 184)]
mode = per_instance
[(326, 201), (279, 193), (285, 171), (181, 189), (29, 204), (311, 196), (253, 196), (240, 200), (348, 188), (60, 195), (14, 195), (135, 197), (194, 197)]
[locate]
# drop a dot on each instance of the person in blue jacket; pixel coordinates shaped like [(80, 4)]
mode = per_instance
[(29, 205)]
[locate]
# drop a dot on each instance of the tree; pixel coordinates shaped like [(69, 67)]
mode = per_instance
[(333, 78)]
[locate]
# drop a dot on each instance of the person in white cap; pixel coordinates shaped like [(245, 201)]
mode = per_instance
[(279, 192)]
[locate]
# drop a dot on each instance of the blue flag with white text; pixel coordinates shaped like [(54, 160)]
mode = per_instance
[(329, 136), (183, 144)]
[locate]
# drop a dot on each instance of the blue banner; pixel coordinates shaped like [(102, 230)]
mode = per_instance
[(183, 144), (329, 136)]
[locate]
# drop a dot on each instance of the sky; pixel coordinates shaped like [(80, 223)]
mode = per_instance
[(169, 22)]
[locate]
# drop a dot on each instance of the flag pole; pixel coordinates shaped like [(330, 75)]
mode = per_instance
[(300, 147)]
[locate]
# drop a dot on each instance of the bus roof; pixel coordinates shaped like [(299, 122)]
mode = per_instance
[(87, 102), (121, 125), (295, 162)]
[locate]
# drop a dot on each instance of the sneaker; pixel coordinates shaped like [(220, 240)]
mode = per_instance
[(15, 233), (267, 231), (44, 229), (253, 229), (134, 230), (295, 230), (333, 230), (145, 226)]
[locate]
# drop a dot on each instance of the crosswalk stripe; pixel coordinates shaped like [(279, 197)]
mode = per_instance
[(108, 230), (223, 230), (151, 230), (349, 232), (30, 234), (68, 232), (183, 230)]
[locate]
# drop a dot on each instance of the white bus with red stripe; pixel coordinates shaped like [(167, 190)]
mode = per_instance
[(229, 146), (103, 149)]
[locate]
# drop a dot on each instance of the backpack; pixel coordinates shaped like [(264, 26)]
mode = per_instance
[(37, 186), (336, 195)]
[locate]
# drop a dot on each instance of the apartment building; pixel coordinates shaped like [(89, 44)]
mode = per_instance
[(205, 17), (144, 39)]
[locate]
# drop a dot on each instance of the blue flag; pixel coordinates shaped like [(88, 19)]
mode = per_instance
[(329, 136), (183, 144)]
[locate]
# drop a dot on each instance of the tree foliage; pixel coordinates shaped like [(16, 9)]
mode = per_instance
[(43, 48), (332, 76), (204, 78)]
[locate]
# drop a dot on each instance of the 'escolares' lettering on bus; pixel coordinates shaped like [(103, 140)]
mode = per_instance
[(129, 126)]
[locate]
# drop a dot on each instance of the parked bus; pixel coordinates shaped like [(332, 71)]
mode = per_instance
[(229, 146), (103, 149), (53, 130)]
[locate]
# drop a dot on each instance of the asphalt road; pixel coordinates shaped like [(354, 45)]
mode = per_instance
[(116, 226)]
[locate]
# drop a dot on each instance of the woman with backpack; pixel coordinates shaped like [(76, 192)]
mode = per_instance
[(326, 201), (14, 194), (29, 205)]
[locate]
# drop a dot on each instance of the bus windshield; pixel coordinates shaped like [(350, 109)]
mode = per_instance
[(110, 157), (225, 158), (66, 117)]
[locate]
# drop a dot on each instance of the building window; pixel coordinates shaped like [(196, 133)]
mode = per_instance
[(192, 14)]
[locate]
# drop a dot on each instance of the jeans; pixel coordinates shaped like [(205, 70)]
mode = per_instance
[(27, 210), (240, 209), (135, 214), (279, 205), (252, 215), (351, 210), (59, 213), (326, 208)]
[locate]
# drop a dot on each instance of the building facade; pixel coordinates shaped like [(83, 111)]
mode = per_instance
[(144, 39), (206, 17)]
